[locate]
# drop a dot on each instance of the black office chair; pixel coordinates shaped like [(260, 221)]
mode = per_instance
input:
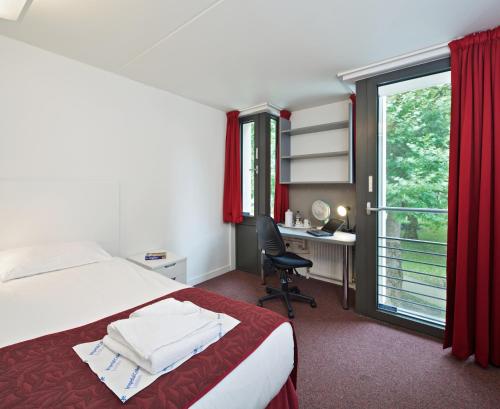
[(271, 242)]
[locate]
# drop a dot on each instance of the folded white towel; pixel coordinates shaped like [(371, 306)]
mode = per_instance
[(145, 335), (167, 356), (162, 333), (121, 375)]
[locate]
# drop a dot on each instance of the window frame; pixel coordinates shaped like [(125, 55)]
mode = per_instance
[(367, 111), (247, 253), (262, 181)]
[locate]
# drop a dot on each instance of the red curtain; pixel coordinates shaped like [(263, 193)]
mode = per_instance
[(232, 206), (473, 263), (280, 191)]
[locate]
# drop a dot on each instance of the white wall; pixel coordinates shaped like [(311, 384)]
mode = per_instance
[(63, 120)]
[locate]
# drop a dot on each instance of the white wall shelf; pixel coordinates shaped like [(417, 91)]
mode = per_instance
[(317, 154), (313, 183), (317, 128)]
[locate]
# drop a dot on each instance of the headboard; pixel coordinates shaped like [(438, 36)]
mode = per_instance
[(33, 212)]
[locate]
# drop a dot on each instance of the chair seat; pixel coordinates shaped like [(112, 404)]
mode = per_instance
[(291, 260)]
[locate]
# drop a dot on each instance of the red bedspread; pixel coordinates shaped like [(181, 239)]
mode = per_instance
[(46, 373)]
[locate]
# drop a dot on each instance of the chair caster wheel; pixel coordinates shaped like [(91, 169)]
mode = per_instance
[(313, 304), (260, 304), (290, 314)]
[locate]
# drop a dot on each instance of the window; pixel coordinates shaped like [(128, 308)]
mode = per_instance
[(248, 167), (258, 133), (273, 129)]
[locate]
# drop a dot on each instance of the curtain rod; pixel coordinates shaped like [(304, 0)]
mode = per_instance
[(260, 108), (414, 58)]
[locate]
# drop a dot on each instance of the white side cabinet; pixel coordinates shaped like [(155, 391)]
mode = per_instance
[(173, 267)]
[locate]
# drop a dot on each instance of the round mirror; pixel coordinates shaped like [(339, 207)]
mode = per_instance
[(321, 210)]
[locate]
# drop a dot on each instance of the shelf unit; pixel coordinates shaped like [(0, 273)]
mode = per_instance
[(318, 154)]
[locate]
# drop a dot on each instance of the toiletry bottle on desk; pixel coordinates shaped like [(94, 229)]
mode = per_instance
[(298, 219), (289, 218)]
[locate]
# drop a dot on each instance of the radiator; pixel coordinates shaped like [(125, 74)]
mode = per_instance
[(327, 259)]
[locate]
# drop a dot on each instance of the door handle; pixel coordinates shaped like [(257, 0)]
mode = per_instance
[(370, 209)]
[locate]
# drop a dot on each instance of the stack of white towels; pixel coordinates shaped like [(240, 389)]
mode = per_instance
[(157, 336)]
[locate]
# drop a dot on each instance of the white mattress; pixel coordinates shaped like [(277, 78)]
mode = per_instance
[(47, 303)]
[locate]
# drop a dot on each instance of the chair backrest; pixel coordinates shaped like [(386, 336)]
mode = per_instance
[(269, 237)]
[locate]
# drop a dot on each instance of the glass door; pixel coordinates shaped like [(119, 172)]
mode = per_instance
[(258, 135), (413, 156), (403, 136)]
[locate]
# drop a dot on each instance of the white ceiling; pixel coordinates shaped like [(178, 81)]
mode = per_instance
[(239, 53)]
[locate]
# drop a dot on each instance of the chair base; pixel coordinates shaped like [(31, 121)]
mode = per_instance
[(287, 294)]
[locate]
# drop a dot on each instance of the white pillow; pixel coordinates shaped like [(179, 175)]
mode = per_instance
[(28, 261)]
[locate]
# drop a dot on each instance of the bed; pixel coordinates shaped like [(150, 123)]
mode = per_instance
[(45, 304)]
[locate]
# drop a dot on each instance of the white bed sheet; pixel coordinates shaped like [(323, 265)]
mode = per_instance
[(34, 306)]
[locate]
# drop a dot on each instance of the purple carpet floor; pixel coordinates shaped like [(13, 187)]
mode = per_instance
[(350, 361)]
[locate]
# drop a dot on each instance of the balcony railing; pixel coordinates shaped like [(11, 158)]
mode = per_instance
[(412, 273)]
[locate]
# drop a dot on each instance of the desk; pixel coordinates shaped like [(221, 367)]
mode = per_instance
[(343, 239)]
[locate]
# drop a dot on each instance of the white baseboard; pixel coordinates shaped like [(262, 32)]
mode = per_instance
[(211, 274)]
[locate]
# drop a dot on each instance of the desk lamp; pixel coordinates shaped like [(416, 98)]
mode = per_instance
[(343, 211)]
